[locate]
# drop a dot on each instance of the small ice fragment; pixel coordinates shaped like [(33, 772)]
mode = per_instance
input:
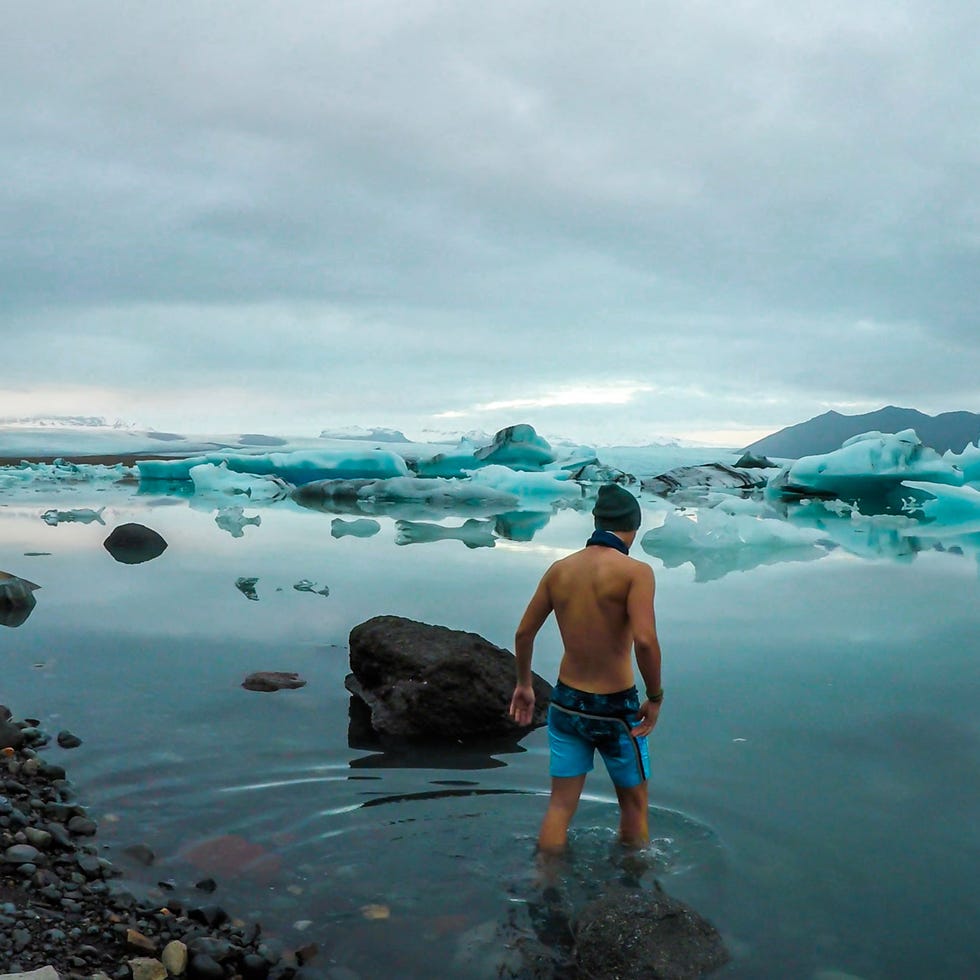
[(247, 588)]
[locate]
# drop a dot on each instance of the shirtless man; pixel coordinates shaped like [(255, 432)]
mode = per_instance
[(603, 602)]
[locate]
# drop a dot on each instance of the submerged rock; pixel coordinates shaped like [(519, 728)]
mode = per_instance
[(632, 934), (133, 544), (432, 682)]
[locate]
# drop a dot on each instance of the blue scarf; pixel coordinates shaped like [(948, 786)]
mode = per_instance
[(606, 539)]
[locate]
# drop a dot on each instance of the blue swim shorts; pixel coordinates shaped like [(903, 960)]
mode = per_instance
[(580, 722)]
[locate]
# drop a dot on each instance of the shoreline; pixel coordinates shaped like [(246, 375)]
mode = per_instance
[(64, 905)]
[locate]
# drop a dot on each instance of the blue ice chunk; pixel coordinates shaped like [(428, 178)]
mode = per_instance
[(448, 465), (296, 467), (519, 447), (869, 465)]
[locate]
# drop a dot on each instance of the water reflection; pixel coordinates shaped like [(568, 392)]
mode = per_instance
[(389, 752), (473, 533)]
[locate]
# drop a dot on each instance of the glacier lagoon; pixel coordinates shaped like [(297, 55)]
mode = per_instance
[(815, 777)]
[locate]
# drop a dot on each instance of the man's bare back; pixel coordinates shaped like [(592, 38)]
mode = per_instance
[(601, 600)]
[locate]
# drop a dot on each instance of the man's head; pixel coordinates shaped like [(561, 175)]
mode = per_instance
[(616, 509)]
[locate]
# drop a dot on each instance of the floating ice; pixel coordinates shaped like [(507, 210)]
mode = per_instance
[(717, 543), (519, 447), (61, 472), (544, 486), (868, 466), (234, 521), (300, 467), (308, 585), (208, 478), (968, 461), (81, 515)]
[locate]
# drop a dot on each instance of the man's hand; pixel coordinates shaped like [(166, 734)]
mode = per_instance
[(649, 713), (522, 704)]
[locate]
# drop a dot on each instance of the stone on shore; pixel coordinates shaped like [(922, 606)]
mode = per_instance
[(629, 934), (147, 968), (435, 683), (45, 973)]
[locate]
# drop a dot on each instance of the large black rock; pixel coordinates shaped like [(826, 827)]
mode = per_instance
[(435, 683), (132, 544), (634, 934)]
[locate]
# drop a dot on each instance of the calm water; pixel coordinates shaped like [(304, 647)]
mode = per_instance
[(815, 768)]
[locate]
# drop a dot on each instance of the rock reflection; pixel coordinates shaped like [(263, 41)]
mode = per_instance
[(389, 752)]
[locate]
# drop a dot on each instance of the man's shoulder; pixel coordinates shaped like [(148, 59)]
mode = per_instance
[(639, 568)]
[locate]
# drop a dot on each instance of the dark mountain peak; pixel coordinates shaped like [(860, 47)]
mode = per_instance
[(825, 433)]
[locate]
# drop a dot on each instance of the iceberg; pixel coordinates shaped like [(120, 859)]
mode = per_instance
[(209, 478), (297, 468), (968, 461), (61, 472), (528, 487), (519, 447), (870, 468)]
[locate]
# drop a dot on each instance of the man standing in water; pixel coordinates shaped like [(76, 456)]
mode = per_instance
[(603, 602)]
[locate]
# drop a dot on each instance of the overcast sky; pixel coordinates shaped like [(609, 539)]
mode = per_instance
[(613, 221)]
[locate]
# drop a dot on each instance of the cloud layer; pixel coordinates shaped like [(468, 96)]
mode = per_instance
[(384, 212)]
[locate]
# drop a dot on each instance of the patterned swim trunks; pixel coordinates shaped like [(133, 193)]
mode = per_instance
[(580, 722)]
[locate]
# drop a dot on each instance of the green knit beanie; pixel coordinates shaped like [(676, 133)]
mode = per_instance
[(616, 509)]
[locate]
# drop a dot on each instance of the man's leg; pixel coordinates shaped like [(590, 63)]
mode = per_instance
[(633, 827), (565, 793)]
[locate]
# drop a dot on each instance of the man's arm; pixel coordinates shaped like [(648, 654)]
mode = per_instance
[(646, 645), (538, 610)]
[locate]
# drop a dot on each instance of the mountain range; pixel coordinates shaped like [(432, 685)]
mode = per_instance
[(825, 433)]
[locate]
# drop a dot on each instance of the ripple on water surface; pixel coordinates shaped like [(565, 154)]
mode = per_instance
[(387, 871)]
